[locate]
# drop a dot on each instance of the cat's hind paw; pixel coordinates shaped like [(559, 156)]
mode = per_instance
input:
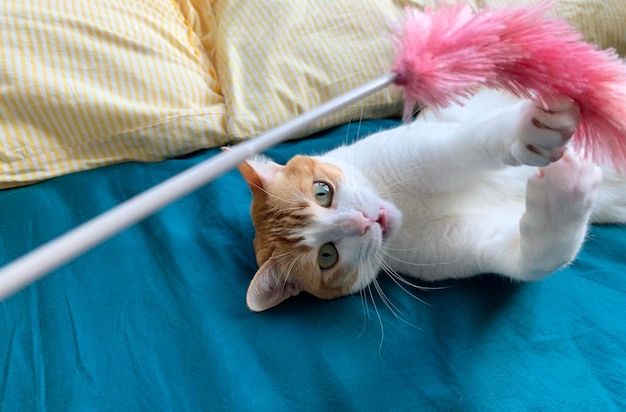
[(559, 200), (544, 131), (564, 190)]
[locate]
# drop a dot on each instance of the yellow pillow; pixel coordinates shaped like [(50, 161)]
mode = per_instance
[(602, 22), (279, 58), (90, 83)]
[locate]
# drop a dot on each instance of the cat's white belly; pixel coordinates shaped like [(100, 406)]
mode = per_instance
[(441, 238)]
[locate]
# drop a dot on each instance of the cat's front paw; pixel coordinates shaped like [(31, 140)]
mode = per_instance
[(544, 132)]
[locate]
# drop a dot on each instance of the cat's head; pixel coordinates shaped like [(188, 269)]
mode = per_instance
[(319, 228)]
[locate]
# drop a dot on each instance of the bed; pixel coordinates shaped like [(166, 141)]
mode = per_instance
[(155, 318)]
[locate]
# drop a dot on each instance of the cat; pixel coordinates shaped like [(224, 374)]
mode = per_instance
[(486, 186)]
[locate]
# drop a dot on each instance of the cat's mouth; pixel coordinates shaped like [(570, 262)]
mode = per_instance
[(383, 222), (389, 219)]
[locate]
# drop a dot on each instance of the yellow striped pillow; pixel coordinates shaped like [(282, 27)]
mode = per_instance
[(602, 22), (279, 58), (90, 83)]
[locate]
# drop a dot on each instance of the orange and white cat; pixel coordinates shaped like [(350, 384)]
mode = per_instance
[(487, 187)]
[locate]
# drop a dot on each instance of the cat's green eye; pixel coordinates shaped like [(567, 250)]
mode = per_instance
[(323, 194), (328, 256)]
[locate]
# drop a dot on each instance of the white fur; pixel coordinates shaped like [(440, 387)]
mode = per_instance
[(471, 195)]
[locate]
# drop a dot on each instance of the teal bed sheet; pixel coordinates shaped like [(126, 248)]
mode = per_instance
[(155, 318)]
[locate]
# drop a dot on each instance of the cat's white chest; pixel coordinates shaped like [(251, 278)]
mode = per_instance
[(440, 229)]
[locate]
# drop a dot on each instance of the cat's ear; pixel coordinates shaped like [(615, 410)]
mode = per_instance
[(259, 172), (268, 288)]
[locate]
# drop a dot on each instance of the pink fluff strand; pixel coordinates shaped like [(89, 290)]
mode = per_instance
[(448, 54)]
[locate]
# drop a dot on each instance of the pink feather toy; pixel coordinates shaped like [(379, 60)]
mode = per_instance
[(447, 54), (442, 56)]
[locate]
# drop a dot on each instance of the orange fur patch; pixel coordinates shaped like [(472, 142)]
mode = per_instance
[(283, 204)]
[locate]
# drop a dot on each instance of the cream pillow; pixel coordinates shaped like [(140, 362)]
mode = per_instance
[(90, 83), (279, 58)]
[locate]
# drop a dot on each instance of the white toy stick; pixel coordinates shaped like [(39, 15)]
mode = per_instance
[(39, 262)]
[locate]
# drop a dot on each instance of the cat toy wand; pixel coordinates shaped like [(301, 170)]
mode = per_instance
[(442, 56)]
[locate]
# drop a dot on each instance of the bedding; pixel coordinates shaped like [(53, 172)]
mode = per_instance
[(89, 83), (85, 84), (155, 318)]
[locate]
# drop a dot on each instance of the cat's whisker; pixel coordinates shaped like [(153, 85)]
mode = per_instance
[(418, 109), (399, 280), (386, 249), (289, 209), (273, 195), (416, 224), (380, 319), (395, 311), (292, 263), (291, 252), (389, 139), (408, 292), (387, 255), (367, 292), (394, 249), (423, 288), (385, 299), (358, 130), (357, 136), (347, 137), (366, 315)]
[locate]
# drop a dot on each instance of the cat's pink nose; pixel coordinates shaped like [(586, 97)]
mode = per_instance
[(353, 223), (362, 222)]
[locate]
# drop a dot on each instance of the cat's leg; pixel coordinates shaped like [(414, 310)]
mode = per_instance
[(527, 133), (445, 156), (610, 206), (559, 200)]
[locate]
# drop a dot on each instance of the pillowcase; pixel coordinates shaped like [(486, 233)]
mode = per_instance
[(89, 83), (279, 58)]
